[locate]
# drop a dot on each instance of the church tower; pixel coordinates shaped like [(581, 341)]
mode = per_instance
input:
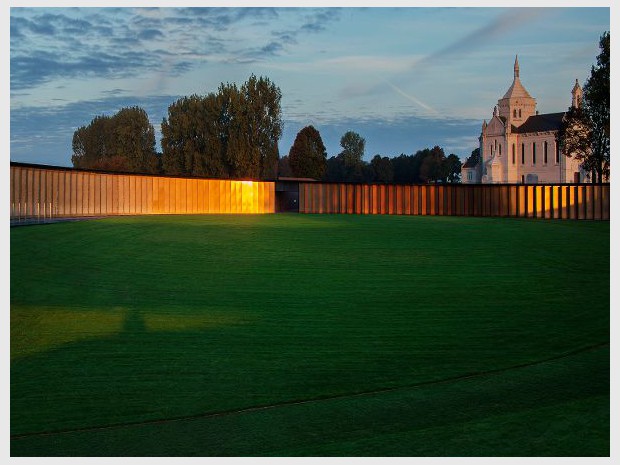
[(517, 105)]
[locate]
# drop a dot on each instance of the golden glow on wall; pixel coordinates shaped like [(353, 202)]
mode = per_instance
[(43, 193), (527, 201)]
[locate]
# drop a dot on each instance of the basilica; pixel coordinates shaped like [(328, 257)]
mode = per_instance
[(519, 145)]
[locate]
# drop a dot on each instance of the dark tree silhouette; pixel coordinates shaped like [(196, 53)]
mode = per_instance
[(308, 156)]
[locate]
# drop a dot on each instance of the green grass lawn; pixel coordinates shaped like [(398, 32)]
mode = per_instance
[(357, 333)]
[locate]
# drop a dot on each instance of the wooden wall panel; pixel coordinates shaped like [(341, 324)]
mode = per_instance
[(28, 191), (107, 198), (415, 200), (589, 201), (556, 211), (42, 191), (210, 197), (605, 203), (13, 190), (59, 193), (21, 189), (271, 206), (566, 201), (547, 202), (119, 192), (598, 202), (78, 193), (96, 205)]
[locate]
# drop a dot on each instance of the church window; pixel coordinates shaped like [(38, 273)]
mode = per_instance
[(557, 153), (545, 153), (533, 153), (500, 150), (469, 175), (514, 149), (523, 154), (514, 113), (519, 112)]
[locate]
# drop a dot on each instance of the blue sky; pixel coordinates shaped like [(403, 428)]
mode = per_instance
[(404, 78)]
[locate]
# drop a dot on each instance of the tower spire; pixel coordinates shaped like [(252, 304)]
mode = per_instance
[(577, 94), (516, 66)]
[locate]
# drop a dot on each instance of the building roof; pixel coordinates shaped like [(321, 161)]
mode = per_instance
[(540, 123), (293, 179), (472, 161), (516, 90)]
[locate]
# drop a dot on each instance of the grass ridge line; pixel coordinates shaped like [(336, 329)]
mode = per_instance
[(312, 400)]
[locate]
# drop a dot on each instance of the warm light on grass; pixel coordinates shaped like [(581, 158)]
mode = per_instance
[(40, 329)]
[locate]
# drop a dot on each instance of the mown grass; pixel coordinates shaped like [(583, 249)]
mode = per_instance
[(127, 320)]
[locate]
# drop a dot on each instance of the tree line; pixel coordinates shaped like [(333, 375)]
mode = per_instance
[(308, 158), (234, 133)]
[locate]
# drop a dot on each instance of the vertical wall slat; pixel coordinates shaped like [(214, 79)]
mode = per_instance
[(605, 213), (598, 201), (548, 202)]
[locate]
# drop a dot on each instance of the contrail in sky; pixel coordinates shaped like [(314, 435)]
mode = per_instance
[(410, 97), (500, 25), (504, 23)]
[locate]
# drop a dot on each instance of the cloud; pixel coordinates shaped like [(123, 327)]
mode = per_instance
[(41, 67), (150, 34), (66, 43)]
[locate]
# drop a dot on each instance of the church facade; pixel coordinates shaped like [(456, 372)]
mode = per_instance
[(519, 146)]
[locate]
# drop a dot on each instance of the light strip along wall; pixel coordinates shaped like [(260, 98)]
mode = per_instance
[(40, 192)]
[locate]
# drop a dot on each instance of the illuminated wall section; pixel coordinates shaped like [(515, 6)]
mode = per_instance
[(525, 201), (43, 192), (50, 192)]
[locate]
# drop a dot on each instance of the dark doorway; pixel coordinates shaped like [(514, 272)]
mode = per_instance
[(287, 196)]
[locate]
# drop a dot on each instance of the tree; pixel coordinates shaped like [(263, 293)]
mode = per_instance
[(231, 133), (193, 139), (383, 169), (335, 170), (352, 155), (596, 95), (284, 167), (122, 142), (92, 143), (308, 156), (352, 148), (135, 139), (263, 116), (575, 136), (405, 169), (432, 167), (452, 168)]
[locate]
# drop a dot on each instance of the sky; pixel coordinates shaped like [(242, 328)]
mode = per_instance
[(404, 78)]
